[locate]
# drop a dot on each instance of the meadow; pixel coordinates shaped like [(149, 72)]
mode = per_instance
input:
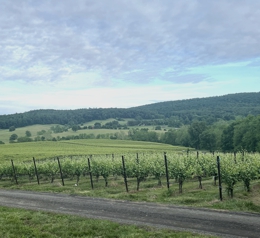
[(49, 134), (50, 149), (35, 129)]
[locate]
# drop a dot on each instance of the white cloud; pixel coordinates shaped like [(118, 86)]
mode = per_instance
[(98, 45)]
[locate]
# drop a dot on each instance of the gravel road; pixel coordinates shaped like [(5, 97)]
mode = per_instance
[(204, 221)]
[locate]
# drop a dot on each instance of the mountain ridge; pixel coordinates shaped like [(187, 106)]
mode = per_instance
[(209, 109)]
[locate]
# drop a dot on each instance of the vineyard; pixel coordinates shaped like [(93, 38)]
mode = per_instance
[(160, 169)]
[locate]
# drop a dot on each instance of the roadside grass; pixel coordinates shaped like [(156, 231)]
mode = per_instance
[(149, 191), (51, 149), (16, 222)]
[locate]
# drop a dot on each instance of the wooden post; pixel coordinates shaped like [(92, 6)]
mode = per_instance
[(15, 177), (36, 172), (219, 179), (166, 170), (61, 175), (125, 179), (90, 174)]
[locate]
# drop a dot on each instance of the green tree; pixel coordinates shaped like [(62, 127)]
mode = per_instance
[(13, 137), (227, 144), (158, 128), (28, 133), (97, 125), (174, 121), (247, 134), (24, 139), (11, 128), (75, 127), (208, 140), (195, 130), (169, 137)]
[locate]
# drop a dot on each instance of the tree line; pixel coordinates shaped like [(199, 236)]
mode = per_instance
[(172, 113), (239, 135)]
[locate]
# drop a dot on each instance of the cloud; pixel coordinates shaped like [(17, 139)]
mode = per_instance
[(53, 40), (57, 51)]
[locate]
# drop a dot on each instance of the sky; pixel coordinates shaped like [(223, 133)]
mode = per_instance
[(67, 54)]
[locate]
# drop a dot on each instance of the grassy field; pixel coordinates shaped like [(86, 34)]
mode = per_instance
[(49, 149), (5, 133), (21, 223)]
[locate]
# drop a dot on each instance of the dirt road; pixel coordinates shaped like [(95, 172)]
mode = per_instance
[(205, 221)]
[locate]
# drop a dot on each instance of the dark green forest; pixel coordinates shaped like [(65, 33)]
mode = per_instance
[(227, 123), (172, 113)]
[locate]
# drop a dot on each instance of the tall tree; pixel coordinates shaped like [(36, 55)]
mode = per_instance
[(28, 133), (208, 140), (195, 130), (227, 144)]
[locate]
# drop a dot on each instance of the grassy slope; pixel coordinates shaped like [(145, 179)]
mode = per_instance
[(47, 149), (5, 134)]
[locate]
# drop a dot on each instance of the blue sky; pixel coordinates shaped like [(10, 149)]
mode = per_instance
[(120, 53)]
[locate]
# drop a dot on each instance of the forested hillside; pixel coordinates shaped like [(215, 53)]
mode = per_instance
[(172, 113), (209, 109)]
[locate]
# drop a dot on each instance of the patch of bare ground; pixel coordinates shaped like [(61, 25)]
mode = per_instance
[(255, 194)]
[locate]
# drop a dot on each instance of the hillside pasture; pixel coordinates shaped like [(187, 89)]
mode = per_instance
[(5, 134), (106, 133), (49, 149)]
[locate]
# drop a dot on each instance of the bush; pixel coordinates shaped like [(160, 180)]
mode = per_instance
[(11, 128), (24, 139), (13, 137)]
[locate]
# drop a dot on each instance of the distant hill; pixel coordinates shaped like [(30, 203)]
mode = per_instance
[(225, 107), (210, 109)]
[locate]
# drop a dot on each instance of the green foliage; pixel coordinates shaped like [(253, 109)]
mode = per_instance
[(143, 135), (195, 131), (13, 137), (145, 169), (173, 113), (75, 127), (59, 129), (24, 139), (206, 123), (28, 133), (175, 121), (97, 125), (208, 140), (158, 128), (11, 128), (42, 132)]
